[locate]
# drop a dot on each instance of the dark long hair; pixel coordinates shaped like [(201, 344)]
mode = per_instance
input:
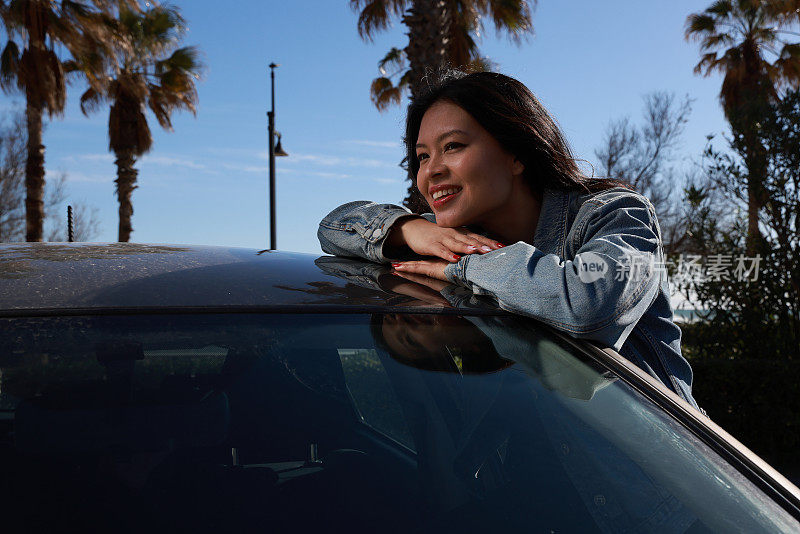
[(511, 113)]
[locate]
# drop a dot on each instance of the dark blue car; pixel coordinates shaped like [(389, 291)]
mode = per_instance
[(155, 388)]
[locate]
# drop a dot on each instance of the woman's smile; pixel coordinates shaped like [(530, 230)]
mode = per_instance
[(441, 194)]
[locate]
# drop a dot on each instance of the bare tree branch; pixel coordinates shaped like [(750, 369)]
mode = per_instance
[(641, 156)]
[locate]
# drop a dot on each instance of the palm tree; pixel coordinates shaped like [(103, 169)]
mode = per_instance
[(745, 40), (40, 26), (440, 33), (149, 70)]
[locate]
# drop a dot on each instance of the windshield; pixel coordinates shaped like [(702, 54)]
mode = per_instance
[(323, 422)]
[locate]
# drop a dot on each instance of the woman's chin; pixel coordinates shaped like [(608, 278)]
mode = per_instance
[(448, 222), (447, 219)]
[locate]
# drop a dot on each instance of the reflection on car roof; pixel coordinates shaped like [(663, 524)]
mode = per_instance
[(92, 276)]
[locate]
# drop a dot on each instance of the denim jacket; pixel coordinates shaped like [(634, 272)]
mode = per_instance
[(596, 270)]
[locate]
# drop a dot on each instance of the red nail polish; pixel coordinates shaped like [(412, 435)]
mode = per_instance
[(396, 264), (456, 257), (500, 245)]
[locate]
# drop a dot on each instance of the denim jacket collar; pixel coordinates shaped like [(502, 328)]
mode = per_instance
[(550, 237)]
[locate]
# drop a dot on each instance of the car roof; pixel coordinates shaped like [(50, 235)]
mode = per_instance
[(95, 276)]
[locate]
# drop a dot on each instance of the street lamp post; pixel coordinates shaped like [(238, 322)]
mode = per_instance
[(273, 151)]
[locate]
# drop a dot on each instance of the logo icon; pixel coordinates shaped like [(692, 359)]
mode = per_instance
[(591, 267)]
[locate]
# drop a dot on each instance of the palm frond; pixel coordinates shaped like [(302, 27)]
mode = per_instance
[(178, 88), (129, 23), (186, 59), (717, 40), (70, 66), (93, 62), (127, 127), (784, 11), (161, 23), (9, 65), (129, 88), (395, 58), (790, 51), (71, 9), (109, 7), (91, 101), (513, 16), (376, 15), (464, 22), (709, 63), (405, 80), (159, 104), (698, 24), (764, 35), (733, 84), (468, 16), (55, 99), (41, 76), (384, 93), (788, 64), (720, 9)]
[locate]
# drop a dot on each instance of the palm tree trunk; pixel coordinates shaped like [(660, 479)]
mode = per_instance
[(428, 25), (126, 183), (756, 164), (34, 175), (427, 52), (750, 113)]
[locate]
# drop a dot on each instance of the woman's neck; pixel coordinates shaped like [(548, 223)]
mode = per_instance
[(518, 219)]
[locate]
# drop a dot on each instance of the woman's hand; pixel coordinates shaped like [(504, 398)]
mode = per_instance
[(428, 239), (415, 286), (427, 272)]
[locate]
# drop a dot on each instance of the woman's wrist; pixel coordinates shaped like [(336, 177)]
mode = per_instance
[(396, 242)]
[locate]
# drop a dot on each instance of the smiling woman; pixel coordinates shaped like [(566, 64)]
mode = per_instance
[(581, 254), (467, 176)]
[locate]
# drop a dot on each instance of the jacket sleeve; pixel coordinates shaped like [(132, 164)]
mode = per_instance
[(600, 294), (358, 229)]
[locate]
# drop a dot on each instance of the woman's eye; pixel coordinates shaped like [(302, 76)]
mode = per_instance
[(422, 156), (452, 145)]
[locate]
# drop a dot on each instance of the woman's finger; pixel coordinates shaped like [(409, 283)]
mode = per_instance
[(474, 245), (430, 268), (491, 243), (444, 252), (418, 287), (479, 240), (427, 281), (464, 246)]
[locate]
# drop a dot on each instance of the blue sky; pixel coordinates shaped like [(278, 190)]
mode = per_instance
[(206, 182)]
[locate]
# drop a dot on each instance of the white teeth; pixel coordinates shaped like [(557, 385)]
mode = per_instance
[(444, 192)]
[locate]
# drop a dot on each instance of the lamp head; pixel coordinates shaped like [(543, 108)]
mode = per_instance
[(279, 151)]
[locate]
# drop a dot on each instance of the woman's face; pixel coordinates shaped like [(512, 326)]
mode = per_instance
[(464, 173), (430, 341)]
